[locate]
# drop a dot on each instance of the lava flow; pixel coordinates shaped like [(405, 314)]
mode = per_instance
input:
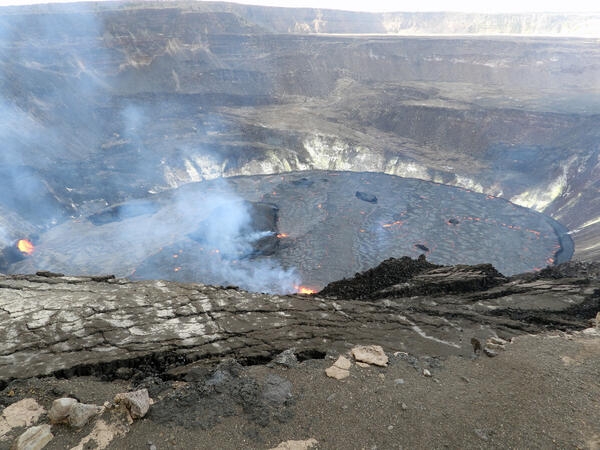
[(25, 246)]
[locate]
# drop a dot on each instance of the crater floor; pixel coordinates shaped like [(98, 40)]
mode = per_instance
[(307, 228)]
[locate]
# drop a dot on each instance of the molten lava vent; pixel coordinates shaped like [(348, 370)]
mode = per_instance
[(25, 246), (16, 252), (299, 231)]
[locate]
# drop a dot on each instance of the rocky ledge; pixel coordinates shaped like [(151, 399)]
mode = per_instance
[(54, 324)]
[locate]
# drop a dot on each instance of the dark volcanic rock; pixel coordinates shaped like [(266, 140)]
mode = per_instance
[(390, 272), (366, 197), (407, 277), (445, 280)]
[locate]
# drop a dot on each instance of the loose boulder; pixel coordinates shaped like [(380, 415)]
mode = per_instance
[(370, 354)]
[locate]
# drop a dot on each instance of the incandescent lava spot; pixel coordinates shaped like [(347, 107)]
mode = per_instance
[(25, 246), (305, 291)]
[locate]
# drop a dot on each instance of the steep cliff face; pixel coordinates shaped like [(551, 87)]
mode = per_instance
[(116, 102)]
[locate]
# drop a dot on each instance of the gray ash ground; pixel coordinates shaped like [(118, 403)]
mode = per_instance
[(325, 226)]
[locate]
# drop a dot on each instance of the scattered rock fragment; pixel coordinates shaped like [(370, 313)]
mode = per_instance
[(81, 413), (339, 370), (489, 352), (598, 320), (426, 373), (337, 373), (343, 363), (136, 402), (296, 445), (362, 364), (286, 358), (493, 345), (496, 340), (591, 332), (60, 409), (34, 438), (370, 354), (23, 413)]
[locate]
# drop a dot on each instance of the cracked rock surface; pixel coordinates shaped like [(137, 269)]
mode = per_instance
[(83, 325)]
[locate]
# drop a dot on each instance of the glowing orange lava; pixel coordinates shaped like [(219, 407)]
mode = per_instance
[(25, 246), (305, 290), (389, 225), (282, 235)]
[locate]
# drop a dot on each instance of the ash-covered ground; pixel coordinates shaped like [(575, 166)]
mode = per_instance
[(279, 232)]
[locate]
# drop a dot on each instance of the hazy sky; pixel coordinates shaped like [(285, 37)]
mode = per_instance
[(487, 6)]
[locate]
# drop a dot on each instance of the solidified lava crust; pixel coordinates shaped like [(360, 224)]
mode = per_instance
[(323, 230)]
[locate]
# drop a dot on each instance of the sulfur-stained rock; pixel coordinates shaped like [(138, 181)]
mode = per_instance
[(81, 413), (136, 402), (60, 409), (34, 438), (370, 354)]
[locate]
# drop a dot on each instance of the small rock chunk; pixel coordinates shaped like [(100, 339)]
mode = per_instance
[(81, 413), (23, 413), (136, 402), (286, 358), (60, 409), (343, 363), (339, 370), (296, 445), (370, 354), (337, 373), (34, 438)]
